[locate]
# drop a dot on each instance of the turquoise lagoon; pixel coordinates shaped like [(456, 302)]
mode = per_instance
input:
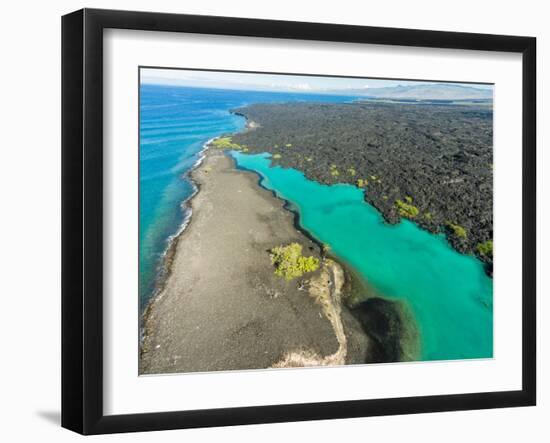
[(448, 293)]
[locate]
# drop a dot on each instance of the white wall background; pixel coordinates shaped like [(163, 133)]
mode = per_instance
[(30, 222)]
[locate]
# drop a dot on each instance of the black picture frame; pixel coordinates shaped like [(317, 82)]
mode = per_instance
[(82, 218)]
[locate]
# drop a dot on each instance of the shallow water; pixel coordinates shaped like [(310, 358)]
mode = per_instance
[(448, 293)]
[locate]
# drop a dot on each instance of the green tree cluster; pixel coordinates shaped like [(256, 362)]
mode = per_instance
[(406, 208), (485, 248), (290, 263), (225, 143), (458, 230)]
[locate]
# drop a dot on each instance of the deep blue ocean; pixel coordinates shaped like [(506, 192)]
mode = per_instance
[(175, 122)]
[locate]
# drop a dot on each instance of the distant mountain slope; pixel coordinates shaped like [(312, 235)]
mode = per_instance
[(435, 91)]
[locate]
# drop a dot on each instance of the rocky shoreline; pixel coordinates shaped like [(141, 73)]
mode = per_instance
[(428, 163), (222, 308)]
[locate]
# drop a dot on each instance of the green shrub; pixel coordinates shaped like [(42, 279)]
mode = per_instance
[(406, 209), (225, 143), (276, 156), (458, 230), (290, 263), (485, 248), (352, 172)]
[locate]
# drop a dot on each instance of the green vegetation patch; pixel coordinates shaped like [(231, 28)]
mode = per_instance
[(276, 156), (225, 143), (458, 230), (290, 263), (485, 248), (334, 171), (406, 208)]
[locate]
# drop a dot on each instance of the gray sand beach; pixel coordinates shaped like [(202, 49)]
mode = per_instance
[(221, 306)]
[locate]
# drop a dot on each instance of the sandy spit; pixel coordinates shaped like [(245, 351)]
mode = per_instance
[(221, 307)]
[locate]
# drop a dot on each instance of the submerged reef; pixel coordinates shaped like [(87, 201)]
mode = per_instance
[(391, 329), (429, 163)]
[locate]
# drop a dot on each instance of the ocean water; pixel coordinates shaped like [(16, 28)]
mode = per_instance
[(175, 122), (448, 293)]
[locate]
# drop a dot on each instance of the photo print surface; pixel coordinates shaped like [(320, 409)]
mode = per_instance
[(296, 220)]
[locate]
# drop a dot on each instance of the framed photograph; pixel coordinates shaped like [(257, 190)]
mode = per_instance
[(269, 221)]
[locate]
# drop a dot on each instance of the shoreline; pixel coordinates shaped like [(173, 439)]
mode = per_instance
[(353, 283), (380, 196), (368, 304), (287, 205), (311, 328), (163, 268)]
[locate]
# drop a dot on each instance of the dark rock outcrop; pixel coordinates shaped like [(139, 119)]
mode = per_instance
[(430, 163)]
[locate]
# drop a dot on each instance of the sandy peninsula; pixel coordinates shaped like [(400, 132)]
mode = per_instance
[(222, 307)]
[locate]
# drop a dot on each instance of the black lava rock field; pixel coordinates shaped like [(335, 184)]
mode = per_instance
[(430, 163)]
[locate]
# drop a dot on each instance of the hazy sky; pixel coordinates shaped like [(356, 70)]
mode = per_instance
[(265, 82)]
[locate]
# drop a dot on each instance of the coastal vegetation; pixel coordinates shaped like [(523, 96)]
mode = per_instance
[(225, 143), (290, 263), (485, 248), (406, 208), (457, 230)]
